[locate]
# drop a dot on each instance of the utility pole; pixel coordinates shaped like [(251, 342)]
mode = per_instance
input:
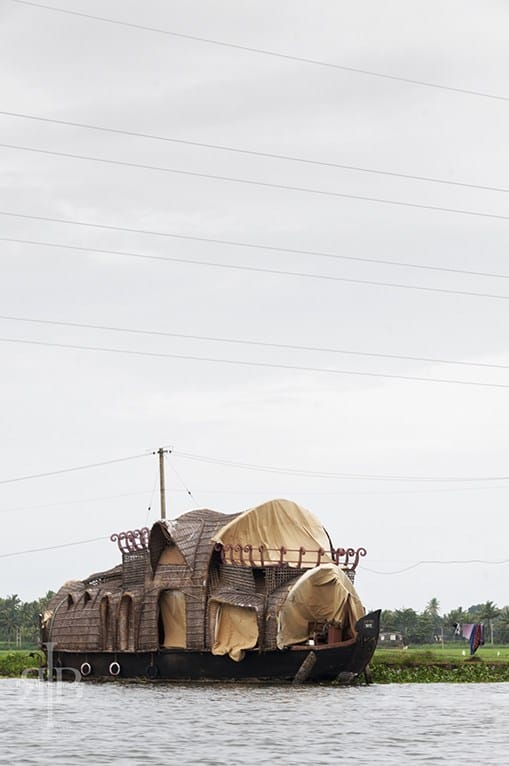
[(162, 489)]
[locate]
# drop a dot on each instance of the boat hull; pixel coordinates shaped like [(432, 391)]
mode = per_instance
[(343, 662)]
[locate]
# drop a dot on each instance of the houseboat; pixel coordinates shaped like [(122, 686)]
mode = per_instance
[(257, 596)]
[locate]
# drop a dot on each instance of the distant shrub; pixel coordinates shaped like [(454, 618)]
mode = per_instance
[(12, 664), (466, 672)]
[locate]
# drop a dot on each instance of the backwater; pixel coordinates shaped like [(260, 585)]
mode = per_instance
[(120, 723)]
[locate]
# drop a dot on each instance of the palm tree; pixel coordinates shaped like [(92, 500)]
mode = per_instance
[(388, 621), (432, 611), (433, 607), (29, 621), (10, 615), (489, 611), (503, 623)]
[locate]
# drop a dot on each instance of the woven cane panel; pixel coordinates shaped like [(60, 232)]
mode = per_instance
[(237, 577), (111, 640), (201, 563), (134, 568), (214, 577), (279, 575), (172, 576), (78, 626), (248, 600), (110, 576), (195, 618), (203, 525), (148, 631), (158, 540), (73, 589), (274, 603), (210, 623), (186, 534)]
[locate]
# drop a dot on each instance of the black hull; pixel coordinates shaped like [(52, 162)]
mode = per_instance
[(343, 662)]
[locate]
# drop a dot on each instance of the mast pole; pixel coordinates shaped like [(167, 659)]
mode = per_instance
[(162, 488)]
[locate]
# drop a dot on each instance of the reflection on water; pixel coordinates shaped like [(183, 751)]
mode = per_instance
[(170, 724)]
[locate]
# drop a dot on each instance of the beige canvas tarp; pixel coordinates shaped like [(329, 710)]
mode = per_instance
[(275, 524), (324, 594), (236, 629), (172, 604)]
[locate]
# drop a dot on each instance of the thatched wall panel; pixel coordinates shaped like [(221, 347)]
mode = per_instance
[(135, 568), (148, 636), (274, 603), (172, 576), (237, 577), (195, 613)]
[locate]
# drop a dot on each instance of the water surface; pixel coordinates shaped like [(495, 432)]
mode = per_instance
[(170, 724)]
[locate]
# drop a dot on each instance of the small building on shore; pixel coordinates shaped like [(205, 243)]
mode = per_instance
[(391, 639)]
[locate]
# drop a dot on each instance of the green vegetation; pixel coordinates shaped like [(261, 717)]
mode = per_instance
[(478, 672), (19, 621), (451, 663), (12, 664), (451, 652), (429, 626), (432, 651)]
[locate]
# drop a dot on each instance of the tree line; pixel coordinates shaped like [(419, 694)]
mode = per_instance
[(19, 620), (430, 626)]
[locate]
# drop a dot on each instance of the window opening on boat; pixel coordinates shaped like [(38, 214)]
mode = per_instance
[(172, 627)]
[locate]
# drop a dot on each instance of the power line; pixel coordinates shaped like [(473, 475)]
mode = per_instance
[(184, 485), (245, 342), (154, 485), (266, 52), (227, 242), (65, 503), (434, 491), (242, 363), (331, 474), (74, 468), (255, 153), (231, 266), (435, 562), (261, 184), (51, 547)]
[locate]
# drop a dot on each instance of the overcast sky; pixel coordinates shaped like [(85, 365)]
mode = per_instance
[(219, 404)]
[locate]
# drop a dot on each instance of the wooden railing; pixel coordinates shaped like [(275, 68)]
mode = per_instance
[(132, 541), (262, 556)]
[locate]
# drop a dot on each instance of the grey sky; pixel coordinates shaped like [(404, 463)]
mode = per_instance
[(62, 408)]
